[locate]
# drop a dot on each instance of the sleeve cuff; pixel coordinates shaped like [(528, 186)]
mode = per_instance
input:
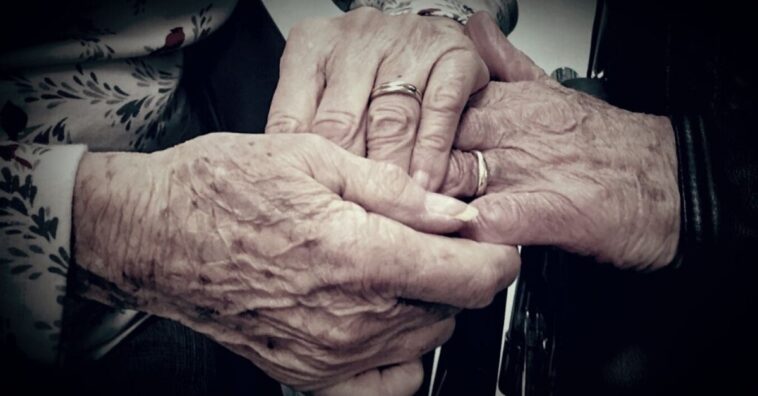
[(699, 229), (36, 193)]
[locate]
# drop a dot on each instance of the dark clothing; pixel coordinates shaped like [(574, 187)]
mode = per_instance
[(689, 328)]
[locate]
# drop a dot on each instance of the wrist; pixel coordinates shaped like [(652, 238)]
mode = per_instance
[(114, 198)]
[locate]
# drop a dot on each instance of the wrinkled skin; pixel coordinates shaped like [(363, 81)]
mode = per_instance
[(330, 66), (566, 169), (284, 248)]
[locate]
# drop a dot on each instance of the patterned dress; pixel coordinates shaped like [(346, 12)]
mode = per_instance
[(111, 83)]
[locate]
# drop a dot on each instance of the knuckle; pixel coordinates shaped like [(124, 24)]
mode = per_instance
[(391, 121), (393, 173), (283, 123), (339, 126), (389, 176), (437, 142), (448, 98)]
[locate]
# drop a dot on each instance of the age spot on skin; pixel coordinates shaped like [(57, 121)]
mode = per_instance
[(311, 244), (238, 244)]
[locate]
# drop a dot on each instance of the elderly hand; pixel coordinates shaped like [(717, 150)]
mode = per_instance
[(284, 248), (330, 67), (565, 169)]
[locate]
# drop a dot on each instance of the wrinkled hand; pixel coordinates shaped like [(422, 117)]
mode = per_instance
[(565, 168), (330, 67), (284, 248)]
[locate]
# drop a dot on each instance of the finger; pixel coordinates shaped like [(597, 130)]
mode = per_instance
[(455, 271), (393, 118), (387, 190), (341, 114), (402, 379), (298, 371), (396, 258), (396, 348), (400, 262), (407, 347), (462, 177), (504, 168), (505, 62), (301, 82), (453, 79), (527, 218), (485, 124)]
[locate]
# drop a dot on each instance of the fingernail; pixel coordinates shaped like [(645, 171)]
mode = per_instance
[(422, 179), (450, 207)]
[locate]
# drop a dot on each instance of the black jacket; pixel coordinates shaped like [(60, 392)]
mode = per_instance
[(583, 328)]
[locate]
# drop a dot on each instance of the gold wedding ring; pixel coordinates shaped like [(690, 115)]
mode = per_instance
[(397, 87), (483, 174)]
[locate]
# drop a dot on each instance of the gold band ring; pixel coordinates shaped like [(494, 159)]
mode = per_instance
[(483, 174), (397, 87)]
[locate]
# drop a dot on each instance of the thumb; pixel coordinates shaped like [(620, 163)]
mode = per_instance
[(505, 62), (385, 189)]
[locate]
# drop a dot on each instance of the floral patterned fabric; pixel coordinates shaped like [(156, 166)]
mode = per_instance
[(110, 83), (36, 185)]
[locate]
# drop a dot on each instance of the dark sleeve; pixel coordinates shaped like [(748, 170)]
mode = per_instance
[(712, 100)]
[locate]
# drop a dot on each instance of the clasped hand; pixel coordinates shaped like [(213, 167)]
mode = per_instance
[(319, 265), (288, 250)]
